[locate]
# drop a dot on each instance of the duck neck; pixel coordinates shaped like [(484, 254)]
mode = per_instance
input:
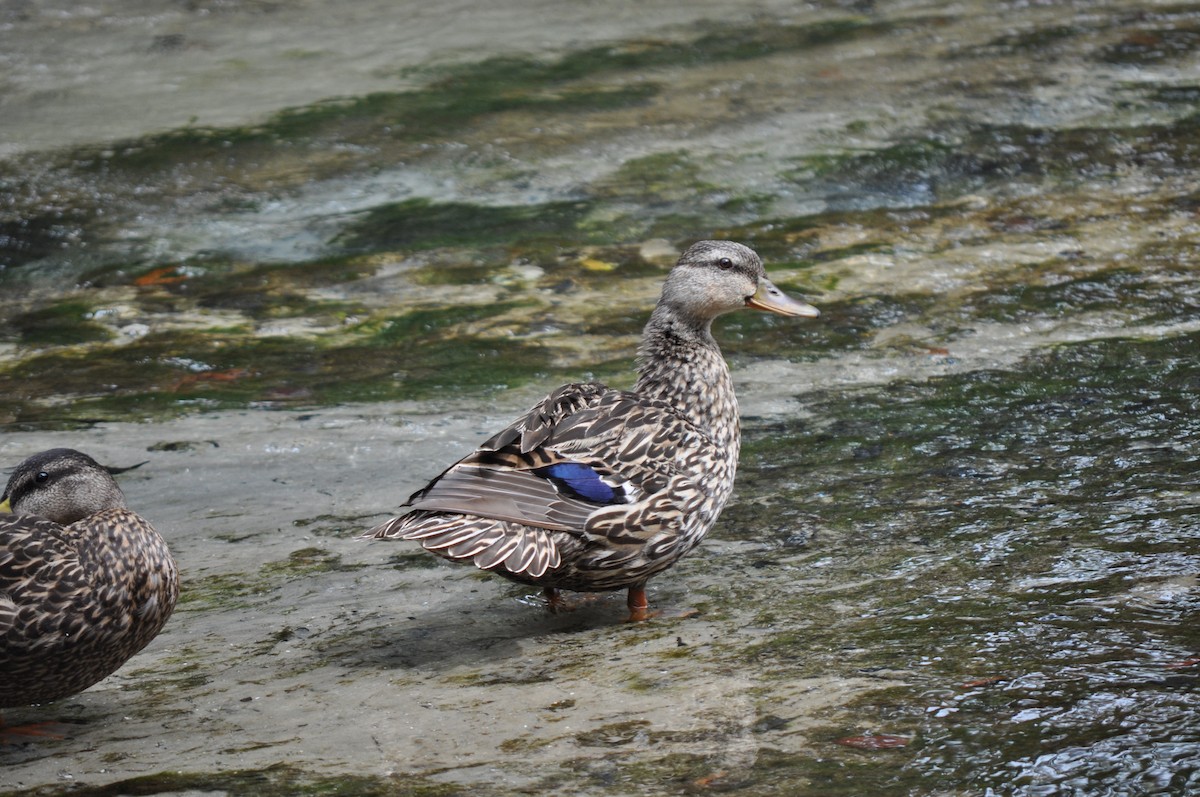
[(680, 363)]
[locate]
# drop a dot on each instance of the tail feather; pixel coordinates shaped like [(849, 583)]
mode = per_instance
[(467, 549), (450, 537), (496, 554), (489, 543), (522, 556), (388, 530)]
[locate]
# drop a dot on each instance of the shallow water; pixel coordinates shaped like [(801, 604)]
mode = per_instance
[(962, 556)]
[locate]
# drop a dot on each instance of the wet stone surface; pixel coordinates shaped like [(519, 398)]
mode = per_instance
[(962, 557)]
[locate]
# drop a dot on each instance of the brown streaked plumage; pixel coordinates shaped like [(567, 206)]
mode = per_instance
[(84, 582), (599, 489)]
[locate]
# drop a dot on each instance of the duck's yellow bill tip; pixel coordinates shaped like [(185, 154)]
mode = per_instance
[(5, 507)]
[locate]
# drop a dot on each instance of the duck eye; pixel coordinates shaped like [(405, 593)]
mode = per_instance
[(42, 477), (725, 263)]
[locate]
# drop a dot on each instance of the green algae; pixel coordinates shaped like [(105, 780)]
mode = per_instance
[(614, 735), (426, 351), (949, 163), (1040, 43), (522, 746), (63, 324), (1115, 289), (161, 686), (1148, 46), (278, 779), (464, 365), (419, 224), (456, 98), (40, 232), (893, 168), (656, 179), (769, 772), (417, 559), (58, 210), (166, 374), (138, 379), (454, 271), (523, 675), (222, 591), (328, 525), (430, 324), (306, 562), (1185, 95), (227, 591), (499, 85), (257, 291), (824, 771), (1019, 150)]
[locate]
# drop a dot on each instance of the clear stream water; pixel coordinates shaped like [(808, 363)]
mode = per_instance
[(294, 256)]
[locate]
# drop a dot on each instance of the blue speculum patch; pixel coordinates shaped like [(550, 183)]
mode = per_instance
[(581, 480)]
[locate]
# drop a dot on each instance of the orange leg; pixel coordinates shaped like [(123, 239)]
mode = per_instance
[(639, 606), (555, 602)]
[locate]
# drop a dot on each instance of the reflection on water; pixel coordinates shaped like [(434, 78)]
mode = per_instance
[(1051, 603)]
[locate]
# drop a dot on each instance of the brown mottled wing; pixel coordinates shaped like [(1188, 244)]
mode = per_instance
[(40, 574), (496, 482), (635, 436), (504, 494), (625, 438), (530, 431)]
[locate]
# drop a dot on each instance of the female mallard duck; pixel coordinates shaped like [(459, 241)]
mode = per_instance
[(600, 489), (84, 582)]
